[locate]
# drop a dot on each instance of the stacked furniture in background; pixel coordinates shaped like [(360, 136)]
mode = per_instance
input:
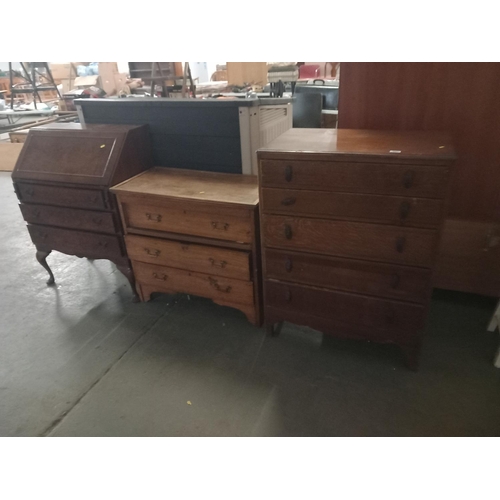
[(62, 180), (196, 233), (350, 224)]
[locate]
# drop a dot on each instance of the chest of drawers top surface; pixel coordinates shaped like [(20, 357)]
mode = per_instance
[(192, 186), (97, 156), (362, 145)]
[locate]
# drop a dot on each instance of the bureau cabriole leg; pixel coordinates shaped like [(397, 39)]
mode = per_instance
[(129, 274), (41, 257)]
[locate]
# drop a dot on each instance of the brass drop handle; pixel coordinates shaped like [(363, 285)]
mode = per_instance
[(153, 217), (220, 263), (395, 280), (288, 232), (97, 221), (288, 265), (404, 210), (160, 276), (400, 244), (223, 226), (288, 201), (408, 179), (215, 284), (153, 253), (288, 173), (288, 295)]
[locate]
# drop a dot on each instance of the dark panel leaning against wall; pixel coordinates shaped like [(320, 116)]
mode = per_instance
[(183, 136), (463, 98)]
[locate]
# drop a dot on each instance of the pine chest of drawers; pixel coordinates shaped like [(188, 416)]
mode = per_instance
[(350, 223), (62, 180), (194, 232)]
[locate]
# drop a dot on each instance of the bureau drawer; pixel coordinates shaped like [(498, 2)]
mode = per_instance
[(172, 280), (375, 178), (182, 218), (420, 212), (82, 244), (370, 278), (72, 218), (192, 257), (359, 240), (62, 196), (344, 307)]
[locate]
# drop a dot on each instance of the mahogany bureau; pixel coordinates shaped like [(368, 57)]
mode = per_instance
[(62, 180), (350, 222), (196, 233)]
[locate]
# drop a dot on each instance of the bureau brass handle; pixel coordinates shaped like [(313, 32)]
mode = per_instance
[(288, 295), (288, 173), (395, 279), (288, 201), (220, 263), (223, 226), (404, 210), (97, 221), (160, 276), (288, 265), (288, 232), (153, 253), (408, 179), (153, 217), (400, 244), (215, 284)]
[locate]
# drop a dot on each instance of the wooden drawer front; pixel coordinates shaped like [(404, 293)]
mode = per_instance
[(205, 285), (376, 178), (200, 258), (82, 244), (180, 218), (384, 280), (72, 218), (62, 196), (344, 307), (420, 212), (351, 239)]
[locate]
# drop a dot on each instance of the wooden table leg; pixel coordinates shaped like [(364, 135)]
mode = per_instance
[(41, 257)]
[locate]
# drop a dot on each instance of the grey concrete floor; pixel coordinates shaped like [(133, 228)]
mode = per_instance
[(80, 359)]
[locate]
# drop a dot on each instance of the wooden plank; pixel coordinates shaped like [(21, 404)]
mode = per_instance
[(9, 153)]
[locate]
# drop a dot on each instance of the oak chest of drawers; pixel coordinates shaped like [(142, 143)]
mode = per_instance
[(196, 233), (350, 223), (62, 180)]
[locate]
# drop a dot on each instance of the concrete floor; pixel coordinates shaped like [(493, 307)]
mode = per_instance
[(80, 359)]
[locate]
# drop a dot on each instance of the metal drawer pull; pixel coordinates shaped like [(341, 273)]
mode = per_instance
[(288, 173), (220, 263), (153, 253), (161, 277), (400, 244), (404, 210), (408, 179), (220, 225), (216, 285), (395, 279), (288, 265), (288, 232), (288, 295), (153, 217), (288, 201), (97, 221)]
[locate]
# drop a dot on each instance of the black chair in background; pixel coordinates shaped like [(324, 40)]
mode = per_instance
[(307, 110)]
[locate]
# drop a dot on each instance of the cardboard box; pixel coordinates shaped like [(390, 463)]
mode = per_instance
[(107, 72), (63, 71), (120, 81), (87, 81)]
